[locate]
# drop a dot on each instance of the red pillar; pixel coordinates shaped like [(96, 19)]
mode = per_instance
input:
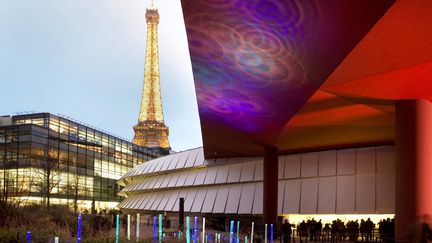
[(271, 155), (413, 165)]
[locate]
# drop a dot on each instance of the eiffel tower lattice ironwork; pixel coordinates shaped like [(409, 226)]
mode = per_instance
[(151, 130)]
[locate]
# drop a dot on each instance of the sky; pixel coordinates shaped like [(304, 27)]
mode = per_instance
[(85, 59)]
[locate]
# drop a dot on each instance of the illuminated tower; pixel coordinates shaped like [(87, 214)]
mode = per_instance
[(151, 130)]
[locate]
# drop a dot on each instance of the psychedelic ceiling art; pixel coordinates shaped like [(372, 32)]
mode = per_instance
[(256, 62)]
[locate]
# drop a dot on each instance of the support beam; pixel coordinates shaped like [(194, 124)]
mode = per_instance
[(271, 155), (181, 214), (413, 166)]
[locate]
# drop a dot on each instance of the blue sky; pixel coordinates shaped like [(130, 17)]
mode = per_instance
[(85, 59)]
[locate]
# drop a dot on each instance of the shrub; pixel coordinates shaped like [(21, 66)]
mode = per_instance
[(10, 235)]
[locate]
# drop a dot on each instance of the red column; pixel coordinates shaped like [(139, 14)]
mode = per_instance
[(413, 165), (271, 155)]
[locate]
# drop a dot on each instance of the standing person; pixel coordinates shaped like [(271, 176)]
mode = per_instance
[(362, 229), (342, 230), (425, 231), (302, 228), (382, 225), (318, 228), (334, 231), (391, 230), (369, 229), (356, 230), (350, 230), (311, 229), (286, 231), (327, 231)]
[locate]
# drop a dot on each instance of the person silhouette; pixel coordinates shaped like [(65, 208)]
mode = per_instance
[(286, 231), (425, 230)]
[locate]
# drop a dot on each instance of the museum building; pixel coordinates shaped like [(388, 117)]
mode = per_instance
[(345, 183), (332, 98), (44, 155)]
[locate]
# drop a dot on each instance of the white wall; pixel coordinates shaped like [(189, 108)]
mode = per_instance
[(339, 181), (345, 181)]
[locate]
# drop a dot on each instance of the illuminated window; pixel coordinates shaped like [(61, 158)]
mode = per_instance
[(80, 156)]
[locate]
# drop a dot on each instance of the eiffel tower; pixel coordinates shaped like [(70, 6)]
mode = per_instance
[(151, 130)]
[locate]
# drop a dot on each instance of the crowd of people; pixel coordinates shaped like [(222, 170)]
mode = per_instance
[(353, 230)]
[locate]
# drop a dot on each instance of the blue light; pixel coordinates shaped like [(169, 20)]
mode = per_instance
[(160, 227), (117, 228), (79, 228), (28, 236), (154, 228), (187, 229), (238, 229), (271, 233), (194, 237), (231, 231)]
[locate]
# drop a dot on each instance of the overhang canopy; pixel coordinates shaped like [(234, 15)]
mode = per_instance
[(305, 75)]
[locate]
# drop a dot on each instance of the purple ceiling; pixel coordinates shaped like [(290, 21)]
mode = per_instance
[(256, 62)]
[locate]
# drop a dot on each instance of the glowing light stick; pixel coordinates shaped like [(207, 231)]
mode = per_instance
[(238, 229), (160, 227), (117, 227), (154, 228), (271, 233), (203, 231), (194, 237), (231, 231), (128, 227), (187, 229), (252, 232), (79, 228), (137, 227)]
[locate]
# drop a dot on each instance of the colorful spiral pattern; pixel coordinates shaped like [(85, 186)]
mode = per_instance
[(256, 62), (245, 59)]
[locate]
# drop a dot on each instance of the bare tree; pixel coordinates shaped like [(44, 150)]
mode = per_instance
[(14, 187), (72, 190), (47, 177), (75, 189), (11, 187), (14, 191)]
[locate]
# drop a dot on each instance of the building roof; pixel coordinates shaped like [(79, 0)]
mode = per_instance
[(177, 161)]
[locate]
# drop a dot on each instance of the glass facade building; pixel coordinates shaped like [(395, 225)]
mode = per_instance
[(44, 155)]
